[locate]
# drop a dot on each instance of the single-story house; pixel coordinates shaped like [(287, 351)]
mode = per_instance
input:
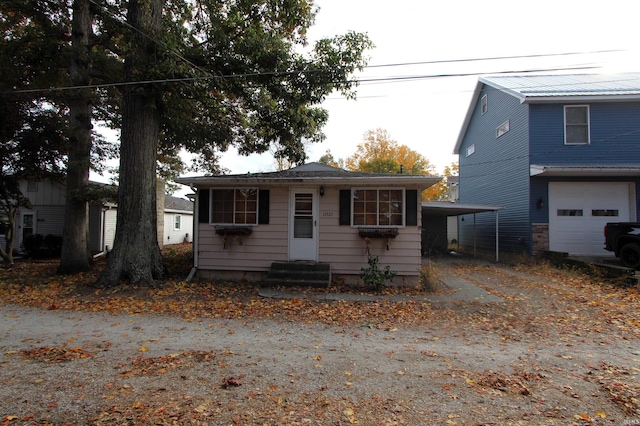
[(313, 213)]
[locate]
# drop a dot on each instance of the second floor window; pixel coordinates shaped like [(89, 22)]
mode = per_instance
[(234, 206), (576, 125)]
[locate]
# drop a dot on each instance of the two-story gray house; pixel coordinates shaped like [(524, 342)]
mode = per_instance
[(561, 153)]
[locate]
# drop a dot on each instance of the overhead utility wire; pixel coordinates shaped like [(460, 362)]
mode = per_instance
[(257, 74), (422, 77), (153, 39), (495, 58)]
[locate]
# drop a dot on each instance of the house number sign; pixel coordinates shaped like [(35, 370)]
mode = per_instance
[(327, 214)]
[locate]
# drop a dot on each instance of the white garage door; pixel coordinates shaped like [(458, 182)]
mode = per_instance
[(578, 213)]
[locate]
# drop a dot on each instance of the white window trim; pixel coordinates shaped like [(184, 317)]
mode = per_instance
[(404, 206), (470, 150), (484, 104), (234, 204), (177, 222), (503, 128), (588, 142)]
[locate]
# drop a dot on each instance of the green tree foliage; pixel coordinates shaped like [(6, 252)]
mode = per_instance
[(38, 131), (208, 76), (233, 73)]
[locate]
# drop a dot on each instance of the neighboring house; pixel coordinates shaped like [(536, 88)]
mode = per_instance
[(46, 216), (315, 213), (561, 153), (178, 220)]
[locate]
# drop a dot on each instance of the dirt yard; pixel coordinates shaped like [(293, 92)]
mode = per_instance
[(563, 349)]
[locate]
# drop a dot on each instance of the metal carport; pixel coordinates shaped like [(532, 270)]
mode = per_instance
[(446, 208)]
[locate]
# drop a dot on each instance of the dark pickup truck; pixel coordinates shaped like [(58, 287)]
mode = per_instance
[(623, 238)]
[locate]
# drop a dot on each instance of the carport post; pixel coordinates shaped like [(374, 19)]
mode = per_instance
[(497, 243), (474, 235)]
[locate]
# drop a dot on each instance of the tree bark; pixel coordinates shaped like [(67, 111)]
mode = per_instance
[(136, 254), (75, 256)]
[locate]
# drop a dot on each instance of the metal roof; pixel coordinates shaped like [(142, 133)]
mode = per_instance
[(446, 208), (527, 87)]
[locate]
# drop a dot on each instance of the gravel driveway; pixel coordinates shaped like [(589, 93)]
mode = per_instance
[(474, 363)]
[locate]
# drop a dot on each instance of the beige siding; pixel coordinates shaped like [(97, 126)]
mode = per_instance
[(340, 246), (266, 244), (344, 249)]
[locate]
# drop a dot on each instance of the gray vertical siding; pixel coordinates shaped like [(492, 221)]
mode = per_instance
[(497, 174)]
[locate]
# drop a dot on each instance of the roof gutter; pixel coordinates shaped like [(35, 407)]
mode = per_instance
[(577, 171)]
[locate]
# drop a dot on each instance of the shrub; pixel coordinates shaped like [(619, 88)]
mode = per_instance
[(376, 277), (31, 245), (37, 246)]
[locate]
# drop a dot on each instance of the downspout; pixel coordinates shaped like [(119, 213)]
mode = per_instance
[(194, 244)]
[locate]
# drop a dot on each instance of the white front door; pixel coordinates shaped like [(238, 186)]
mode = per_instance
[(303, 224)]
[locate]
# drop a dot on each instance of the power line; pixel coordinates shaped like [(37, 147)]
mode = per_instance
[(156, 41), (280, 73), (494, 58)]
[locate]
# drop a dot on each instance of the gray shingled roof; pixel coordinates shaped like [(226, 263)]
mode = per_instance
[(175, 203), (316, 173)]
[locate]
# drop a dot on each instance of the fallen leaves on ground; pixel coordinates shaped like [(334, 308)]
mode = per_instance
[(62, 353), (620, 383), (543, 305), (150, 366)]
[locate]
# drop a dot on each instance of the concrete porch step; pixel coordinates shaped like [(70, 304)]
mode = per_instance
[(298, 274)]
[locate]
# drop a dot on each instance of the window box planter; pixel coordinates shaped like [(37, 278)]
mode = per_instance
[(368, 232), (237, 231), (378, 232)]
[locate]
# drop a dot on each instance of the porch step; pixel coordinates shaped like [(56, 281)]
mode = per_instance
[(298, 274)]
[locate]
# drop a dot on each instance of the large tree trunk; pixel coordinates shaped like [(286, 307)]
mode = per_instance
[(75, 239), (136, 254)]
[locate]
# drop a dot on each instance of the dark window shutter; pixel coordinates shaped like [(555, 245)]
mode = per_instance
[(263, 207), (203, 205), (345, 207), (411, 214)]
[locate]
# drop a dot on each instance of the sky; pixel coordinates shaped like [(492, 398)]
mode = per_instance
[(426, 114)]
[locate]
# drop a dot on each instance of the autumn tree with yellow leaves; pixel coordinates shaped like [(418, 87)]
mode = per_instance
[(379, 153)]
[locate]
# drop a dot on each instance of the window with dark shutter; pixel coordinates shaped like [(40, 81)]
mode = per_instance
[(411, 218), (203, 205), (345, 207), (263, 207)]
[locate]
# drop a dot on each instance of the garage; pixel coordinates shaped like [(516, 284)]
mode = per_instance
[(578, 212)]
